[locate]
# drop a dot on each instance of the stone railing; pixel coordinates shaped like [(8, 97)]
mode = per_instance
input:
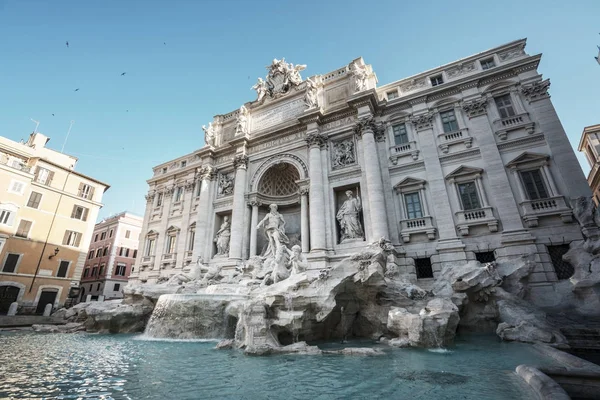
[(478, 216), (414, 226), (404, 149), (504, 125), (188, 254), (447, 139), (147, 259), (534, 209), (169, 256)]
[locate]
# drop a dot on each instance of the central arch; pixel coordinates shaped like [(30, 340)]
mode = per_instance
[(280, 180), (295, 161)]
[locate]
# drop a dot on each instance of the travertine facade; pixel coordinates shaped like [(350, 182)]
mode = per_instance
[(468, 160), (47, 215), (111, 257), (590, 146)]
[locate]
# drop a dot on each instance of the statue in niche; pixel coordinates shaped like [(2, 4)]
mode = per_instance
[(209, 134), (348, 217), (222, 237), (343, 153), (225, 185), (242, 121), (360, 76), (261, 89), (310, 97), (274, 226)]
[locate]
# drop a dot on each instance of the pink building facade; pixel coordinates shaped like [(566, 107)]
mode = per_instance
[(111, 257)]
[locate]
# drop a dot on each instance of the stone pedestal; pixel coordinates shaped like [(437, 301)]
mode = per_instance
[(12, 309)]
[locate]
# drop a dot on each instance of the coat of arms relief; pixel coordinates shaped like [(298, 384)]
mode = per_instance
[(281, 78)]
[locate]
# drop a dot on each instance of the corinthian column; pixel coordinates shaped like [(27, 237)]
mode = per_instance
[(304, 226), (207, 175), (253, 222), (379, 226), (317, 203), (237, 216)]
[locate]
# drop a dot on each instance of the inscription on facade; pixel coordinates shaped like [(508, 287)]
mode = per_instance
[(225, 158), (276, 142), (277, 114), (337, 123)]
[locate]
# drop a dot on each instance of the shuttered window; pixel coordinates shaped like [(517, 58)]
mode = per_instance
[(23, 229), (34, 200), (85, 191), (79, 212), (71, 238), (534, 184), (44, 176), (469, 196), (11, 262)]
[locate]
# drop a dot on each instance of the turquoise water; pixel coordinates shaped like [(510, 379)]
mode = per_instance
[(61, 366)]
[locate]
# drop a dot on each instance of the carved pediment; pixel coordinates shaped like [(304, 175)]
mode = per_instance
[(193, 225), (152, 232), (528, 157), (409, 183), (173, 228), (464, 170)]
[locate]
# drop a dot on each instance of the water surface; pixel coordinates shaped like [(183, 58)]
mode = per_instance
[(63, 366)]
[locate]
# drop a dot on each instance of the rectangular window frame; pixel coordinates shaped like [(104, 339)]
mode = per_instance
[(71, 238), (17, 187), (64, 270), (449, 121), (6, 217), (436, 80), (539, 192), (505, 106), (400, 134), (35, 198), (468, 203), (44, 176), (413, 212), (16, 264), (24, 228), (80, 212), (391, 95), (487, 63)]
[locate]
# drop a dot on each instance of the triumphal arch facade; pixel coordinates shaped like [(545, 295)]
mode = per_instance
[(465, 161)]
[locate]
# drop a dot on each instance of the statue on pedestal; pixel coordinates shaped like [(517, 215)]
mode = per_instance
[(348, 218), (242, 121), (222, 237), (274, 226), (310, 97), (209, 134)]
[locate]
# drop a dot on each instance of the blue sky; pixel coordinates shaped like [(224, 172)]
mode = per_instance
[(186, 61)]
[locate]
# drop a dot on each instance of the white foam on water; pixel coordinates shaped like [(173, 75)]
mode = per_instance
[(147, 338), (439, 350)]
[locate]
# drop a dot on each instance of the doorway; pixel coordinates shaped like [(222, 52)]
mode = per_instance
[(46, 297), (8, 295)]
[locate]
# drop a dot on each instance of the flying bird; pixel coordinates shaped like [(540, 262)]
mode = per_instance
[(67, 43), (123, 73), (165, 43), (77, 89), (53, 115)]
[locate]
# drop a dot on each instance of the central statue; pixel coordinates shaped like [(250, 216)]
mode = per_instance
[(274, 226)]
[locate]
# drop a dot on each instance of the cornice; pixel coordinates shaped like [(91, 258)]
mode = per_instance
[(527, 140), (366, 98), (463, 155)]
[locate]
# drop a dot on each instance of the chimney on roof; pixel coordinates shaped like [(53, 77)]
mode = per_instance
[(37, 140)]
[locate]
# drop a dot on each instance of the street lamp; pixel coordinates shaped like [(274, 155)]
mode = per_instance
[(51, 256)]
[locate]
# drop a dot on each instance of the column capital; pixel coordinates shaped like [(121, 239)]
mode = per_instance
[(316, 139), (254, 203), (240, 161), (150, 197), (304, 191), (536, 90), (476, 107), (422, 121), (189, 185), (207, 173), (368, 125), (169, 191)]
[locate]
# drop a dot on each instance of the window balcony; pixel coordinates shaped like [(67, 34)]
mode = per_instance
[(478, 216), (147, 259), (534, 209), (169, 256), (403, 150), (414, 226), (188, 254), (14, 164), (504, 125), (448, 139)]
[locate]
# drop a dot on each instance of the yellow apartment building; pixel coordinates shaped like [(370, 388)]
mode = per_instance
[(47, 216)]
